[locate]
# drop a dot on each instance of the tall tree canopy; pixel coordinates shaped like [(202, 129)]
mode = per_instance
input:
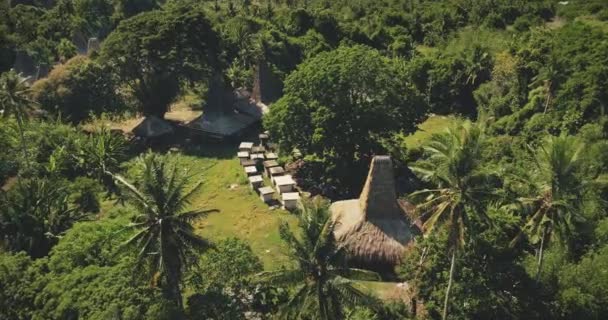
[(339, 105), (153, 52)]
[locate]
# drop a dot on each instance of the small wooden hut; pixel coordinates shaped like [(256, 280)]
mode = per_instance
[(374, 229)]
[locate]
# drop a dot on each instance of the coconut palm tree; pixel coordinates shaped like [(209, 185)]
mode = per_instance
[(164, 236), (557, 192), (15, 100), (548, 77), (454, 165), (320, 280)]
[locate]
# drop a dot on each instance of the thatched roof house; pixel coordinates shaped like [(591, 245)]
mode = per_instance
[(374, 229), (228, 115), (152, 127)]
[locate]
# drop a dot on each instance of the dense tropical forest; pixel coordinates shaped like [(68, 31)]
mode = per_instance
[(493, 113)]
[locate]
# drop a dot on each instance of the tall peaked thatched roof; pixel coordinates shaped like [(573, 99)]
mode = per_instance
[(374, 229), (152, 127)]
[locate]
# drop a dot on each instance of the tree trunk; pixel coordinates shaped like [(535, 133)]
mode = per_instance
[(22, 136), (447, 290), (540, 254)]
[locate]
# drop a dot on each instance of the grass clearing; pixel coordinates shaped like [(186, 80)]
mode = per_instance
[(241, 212), (433, 124)]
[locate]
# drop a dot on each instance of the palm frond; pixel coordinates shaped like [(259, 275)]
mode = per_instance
[(190, 216), (138, 196), (282, 277), (297, 305), (354, 296), (356, 274)]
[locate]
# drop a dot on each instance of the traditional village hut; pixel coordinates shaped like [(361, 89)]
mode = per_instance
[(290, 200), (152, 127), (284, 183), (256, 181), (266, 194), (374, 229)]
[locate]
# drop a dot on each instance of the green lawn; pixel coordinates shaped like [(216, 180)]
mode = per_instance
[(241, 212), (433, 124)]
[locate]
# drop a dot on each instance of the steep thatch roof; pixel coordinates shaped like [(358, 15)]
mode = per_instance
[(152, 127), (374, 229)]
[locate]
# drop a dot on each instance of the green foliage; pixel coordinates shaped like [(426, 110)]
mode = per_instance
[(8, 162), (338, 105), (229, 264), (15, 295), (35, 214), (223, 276), (153, 51), (581, 287), (320, 283), (78, 89), (85, 195), (163, 234), (460, 184), (100, 155), (461, 187), (488, 283), (66, 49), (15, 101), (84, 277)]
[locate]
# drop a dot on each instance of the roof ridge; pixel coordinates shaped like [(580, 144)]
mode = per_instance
[(378, 199)]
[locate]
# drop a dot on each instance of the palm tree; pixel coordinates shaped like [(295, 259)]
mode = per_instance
[(557, 192), (15, 100), (321, 280), (100, 155), (548, 77), (165, 238), (454, 165)]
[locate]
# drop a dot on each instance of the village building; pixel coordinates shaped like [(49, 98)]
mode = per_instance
[(374, 229)]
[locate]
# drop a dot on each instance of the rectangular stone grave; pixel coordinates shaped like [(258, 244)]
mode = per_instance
[(256, 182), (246, 146), (290, 200), (266, 194), (251, 170)]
